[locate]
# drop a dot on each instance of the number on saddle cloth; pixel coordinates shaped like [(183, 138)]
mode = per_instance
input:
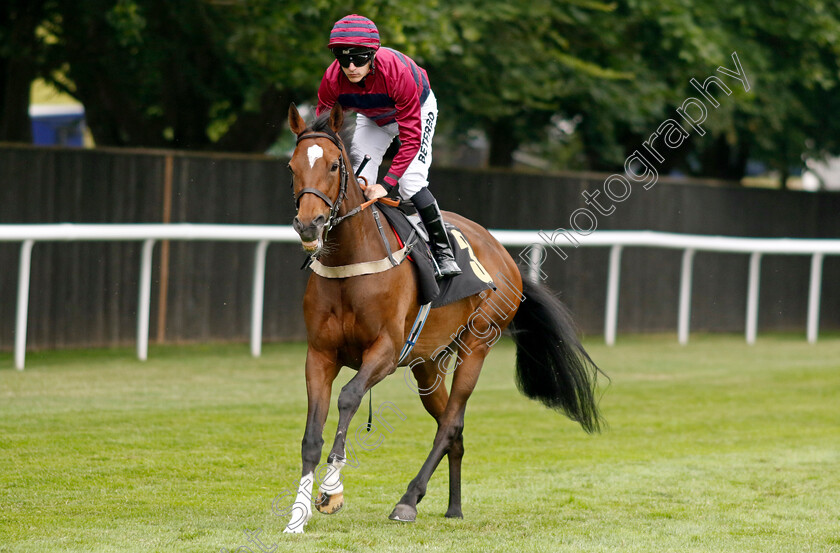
[(473, 279)]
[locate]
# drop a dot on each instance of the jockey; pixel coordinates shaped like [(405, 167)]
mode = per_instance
[(391, 96)]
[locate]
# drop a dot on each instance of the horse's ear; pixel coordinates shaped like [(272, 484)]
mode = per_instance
[(295, 120), (336, 117)]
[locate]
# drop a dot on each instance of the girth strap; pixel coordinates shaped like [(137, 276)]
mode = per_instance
[(382, 235)]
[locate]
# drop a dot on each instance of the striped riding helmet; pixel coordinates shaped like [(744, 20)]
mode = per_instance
[(354, 30)]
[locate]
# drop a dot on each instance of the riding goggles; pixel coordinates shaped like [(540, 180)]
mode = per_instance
[(359, 59)]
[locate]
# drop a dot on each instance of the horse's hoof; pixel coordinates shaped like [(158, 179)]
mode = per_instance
[(404, 513), (454, 513), (329, 504)]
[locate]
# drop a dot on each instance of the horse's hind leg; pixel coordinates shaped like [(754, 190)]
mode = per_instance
[(433, 394), (455, 454), (448, 439)]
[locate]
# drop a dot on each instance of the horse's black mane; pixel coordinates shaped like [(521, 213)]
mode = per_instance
[(322, 124)]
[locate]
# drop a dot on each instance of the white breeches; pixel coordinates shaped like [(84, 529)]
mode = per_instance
[(373, 140)]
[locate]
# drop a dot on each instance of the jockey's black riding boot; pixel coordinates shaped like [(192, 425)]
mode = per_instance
[(429, 213)]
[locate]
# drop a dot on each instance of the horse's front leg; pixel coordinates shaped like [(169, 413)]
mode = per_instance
[(321, 370), (377, 362)]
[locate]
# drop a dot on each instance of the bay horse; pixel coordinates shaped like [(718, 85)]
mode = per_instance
[(362, 322)]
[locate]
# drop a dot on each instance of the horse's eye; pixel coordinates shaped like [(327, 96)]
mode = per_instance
[(334, 166)]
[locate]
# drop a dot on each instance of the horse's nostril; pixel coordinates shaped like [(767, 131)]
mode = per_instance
[(319, 220), (296, 224)]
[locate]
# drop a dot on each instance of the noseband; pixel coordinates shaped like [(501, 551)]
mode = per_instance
[(342, 188)]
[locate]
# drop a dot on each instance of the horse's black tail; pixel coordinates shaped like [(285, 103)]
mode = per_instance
[(551, 364)]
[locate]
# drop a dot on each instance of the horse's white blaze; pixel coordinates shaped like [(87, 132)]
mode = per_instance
[(332, 483), (303, 502), (314, 153)]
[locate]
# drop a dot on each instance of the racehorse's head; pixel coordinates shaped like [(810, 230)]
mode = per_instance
[(319, 175)]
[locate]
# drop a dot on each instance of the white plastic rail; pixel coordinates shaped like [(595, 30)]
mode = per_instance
[(262, 236), (149, 234), (689, 243)]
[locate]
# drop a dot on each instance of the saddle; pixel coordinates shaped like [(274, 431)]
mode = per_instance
[(473, 278)]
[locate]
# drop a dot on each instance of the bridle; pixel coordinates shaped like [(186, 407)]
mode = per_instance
[(393, 258), (333, 220), (334, 205)]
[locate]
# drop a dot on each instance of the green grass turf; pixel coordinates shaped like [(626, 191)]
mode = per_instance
[(713, 447)]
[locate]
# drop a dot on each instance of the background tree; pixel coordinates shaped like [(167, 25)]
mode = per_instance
[(165, 74), (509, 68), (219, 74), (792, 63), (197, 74), (21, 52)]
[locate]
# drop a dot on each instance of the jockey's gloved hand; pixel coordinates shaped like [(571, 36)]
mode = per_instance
[(374, 191)]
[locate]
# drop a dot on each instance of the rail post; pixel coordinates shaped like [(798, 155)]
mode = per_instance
[(144, 299), (752, 296), (613, 278), (258, 298), (684, 317), (22, 314)]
